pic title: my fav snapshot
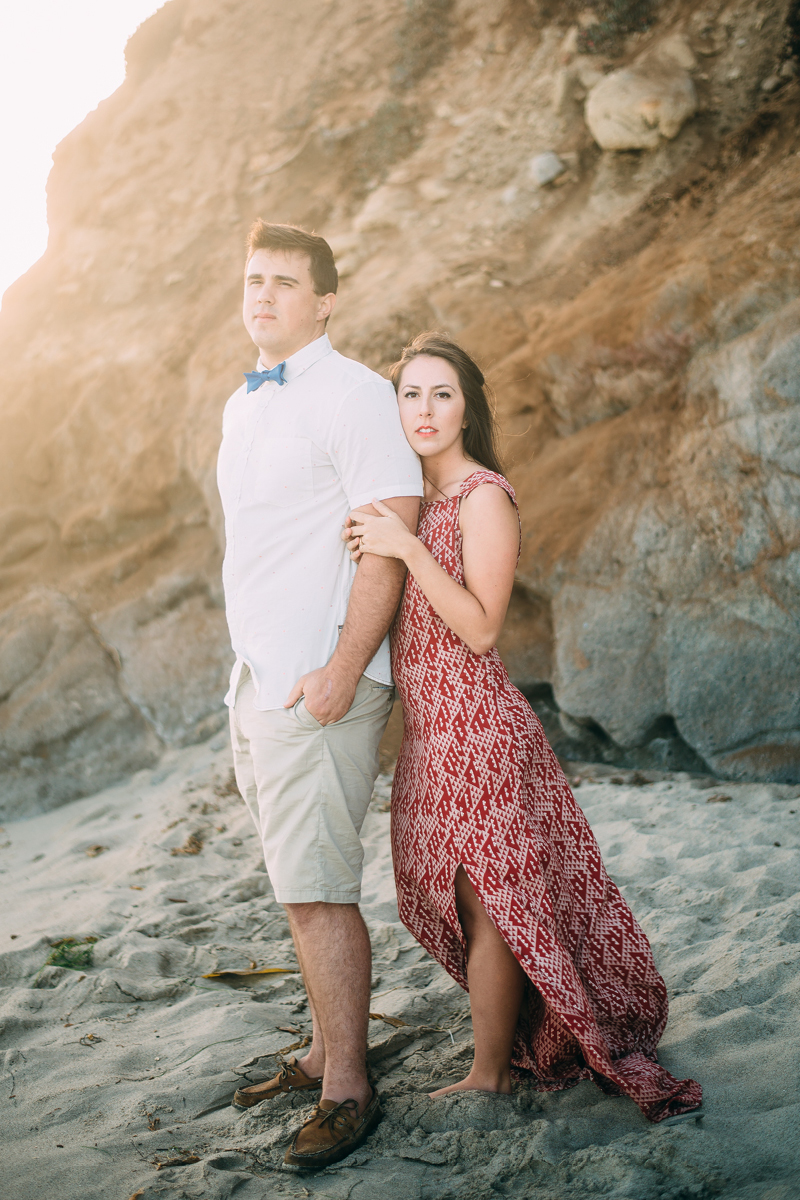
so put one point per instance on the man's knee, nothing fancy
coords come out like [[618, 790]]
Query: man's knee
[[302, 916], [299, 913], [316, 912]]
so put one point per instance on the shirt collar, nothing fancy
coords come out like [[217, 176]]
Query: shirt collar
[[304, 358]]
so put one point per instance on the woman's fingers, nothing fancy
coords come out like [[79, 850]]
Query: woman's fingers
[[353, 545], [352, 533]]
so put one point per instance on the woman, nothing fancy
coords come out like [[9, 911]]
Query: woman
[[498, 874]]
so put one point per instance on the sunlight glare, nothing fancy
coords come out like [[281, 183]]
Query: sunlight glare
[[58, 60]]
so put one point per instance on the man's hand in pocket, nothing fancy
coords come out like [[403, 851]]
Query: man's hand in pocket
[[328, 693]]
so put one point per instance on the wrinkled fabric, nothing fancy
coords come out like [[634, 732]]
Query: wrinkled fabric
[[477, 784]]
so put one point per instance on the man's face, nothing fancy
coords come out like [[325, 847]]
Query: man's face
[[282, 312]]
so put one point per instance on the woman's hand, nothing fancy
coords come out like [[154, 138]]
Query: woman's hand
[[386, 535], [353, 543]]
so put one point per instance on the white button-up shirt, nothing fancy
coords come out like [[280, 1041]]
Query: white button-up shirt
[[294, 460]]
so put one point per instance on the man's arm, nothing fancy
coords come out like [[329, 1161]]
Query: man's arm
[[374, 597]]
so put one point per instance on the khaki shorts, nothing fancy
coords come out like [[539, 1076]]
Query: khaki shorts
[[308, 788]]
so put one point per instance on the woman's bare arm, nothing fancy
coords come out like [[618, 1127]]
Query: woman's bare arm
[[490, 535]]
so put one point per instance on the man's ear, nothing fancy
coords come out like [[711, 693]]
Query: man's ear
[[326, 306]]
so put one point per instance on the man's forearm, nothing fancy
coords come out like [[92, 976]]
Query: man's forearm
[[374, 597]]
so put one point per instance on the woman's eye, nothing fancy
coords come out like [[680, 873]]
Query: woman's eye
[[442, 395]]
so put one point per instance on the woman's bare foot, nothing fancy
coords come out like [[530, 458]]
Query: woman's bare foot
[[500, 1086], [496, 990]]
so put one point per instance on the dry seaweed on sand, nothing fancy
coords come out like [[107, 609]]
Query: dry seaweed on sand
[[184, 1161], [192, 845], [246, 971], [395, 1021], [73, 953]]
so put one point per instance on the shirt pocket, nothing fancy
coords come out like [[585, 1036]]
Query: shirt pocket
[[280, 472]]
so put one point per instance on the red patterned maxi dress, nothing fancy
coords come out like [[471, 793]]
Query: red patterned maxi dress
[[478, 784]]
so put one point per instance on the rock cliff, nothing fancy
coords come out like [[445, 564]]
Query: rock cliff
[[600, 202]]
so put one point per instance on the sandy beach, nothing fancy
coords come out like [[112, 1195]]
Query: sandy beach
[[600, 202], [115, 1070]]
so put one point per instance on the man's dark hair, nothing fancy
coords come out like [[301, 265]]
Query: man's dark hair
[[290, 239]]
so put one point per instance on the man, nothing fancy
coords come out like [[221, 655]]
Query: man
[[312, 436]]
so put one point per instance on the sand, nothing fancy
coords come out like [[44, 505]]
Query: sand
[[131, 1062]]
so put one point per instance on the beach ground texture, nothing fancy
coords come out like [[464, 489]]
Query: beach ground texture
[[118, 1072]]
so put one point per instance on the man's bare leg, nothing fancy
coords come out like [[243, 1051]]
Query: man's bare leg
[[335, 957], [313, 1064], [496, 987]]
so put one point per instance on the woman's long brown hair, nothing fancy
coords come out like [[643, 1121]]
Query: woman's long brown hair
[[480, 435]]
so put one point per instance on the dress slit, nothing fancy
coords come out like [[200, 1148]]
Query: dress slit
[[478, 784]]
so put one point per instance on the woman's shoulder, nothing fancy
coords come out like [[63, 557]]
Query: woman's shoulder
[[480, 479], [488, 510]]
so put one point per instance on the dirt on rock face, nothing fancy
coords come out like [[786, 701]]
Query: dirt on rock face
[[637, 315]]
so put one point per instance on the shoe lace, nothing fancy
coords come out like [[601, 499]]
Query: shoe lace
[[337, 1113]]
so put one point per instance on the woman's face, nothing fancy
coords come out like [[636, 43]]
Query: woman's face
[[431, 404]]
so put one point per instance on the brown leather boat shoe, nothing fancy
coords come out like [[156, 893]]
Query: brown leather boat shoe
[[290, 1078], [332, 1132]]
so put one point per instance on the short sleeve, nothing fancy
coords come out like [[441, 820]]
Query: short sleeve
[[368, 447]]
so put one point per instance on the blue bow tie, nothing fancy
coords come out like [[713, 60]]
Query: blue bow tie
[[256, 378]]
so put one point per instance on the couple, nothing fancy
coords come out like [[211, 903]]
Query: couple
[[322, 466]]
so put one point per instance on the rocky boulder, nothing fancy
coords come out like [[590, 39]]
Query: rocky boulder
[[634, 108], [174, 657], [66, 728]]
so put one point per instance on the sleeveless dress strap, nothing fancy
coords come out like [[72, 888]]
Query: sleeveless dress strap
[[480, 477]]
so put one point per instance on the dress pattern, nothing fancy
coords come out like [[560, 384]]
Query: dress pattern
[[477, 784]]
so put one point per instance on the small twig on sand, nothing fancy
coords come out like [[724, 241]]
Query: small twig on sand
[[143, 1157]]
